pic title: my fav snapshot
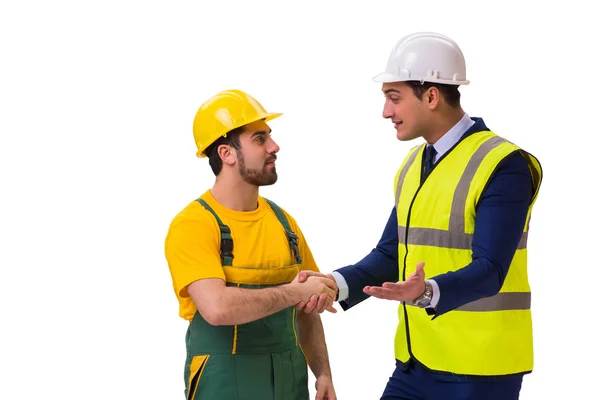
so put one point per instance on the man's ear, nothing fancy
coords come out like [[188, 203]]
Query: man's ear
[[432, 97], [227, 154]]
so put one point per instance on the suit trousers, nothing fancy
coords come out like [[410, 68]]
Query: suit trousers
[[415, 382]]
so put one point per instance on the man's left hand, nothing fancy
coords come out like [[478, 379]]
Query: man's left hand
[[324, 386], [405, 291]]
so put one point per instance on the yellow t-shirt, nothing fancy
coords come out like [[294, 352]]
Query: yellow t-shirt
[[192, 245]]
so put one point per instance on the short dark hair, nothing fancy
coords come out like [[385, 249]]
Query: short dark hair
[[232, 139], [450, 92]]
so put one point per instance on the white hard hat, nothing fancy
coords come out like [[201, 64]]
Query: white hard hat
[[425, 57]]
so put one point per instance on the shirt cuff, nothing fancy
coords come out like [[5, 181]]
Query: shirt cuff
[[435, 298], [342, 286]]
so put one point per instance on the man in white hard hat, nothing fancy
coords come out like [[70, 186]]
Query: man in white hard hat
[[454, 250]]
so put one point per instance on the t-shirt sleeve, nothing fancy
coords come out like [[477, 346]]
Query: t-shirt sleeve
[[192, 251]]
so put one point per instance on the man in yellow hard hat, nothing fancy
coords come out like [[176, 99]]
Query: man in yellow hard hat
[[233, 257], [454, 250]]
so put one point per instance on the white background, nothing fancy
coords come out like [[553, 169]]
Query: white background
[[96, 154]]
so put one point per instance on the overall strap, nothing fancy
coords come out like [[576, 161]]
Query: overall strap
[[226, 239], [291, 236]]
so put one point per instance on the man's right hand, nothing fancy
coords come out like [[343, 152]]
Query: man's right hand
[[317, 302]]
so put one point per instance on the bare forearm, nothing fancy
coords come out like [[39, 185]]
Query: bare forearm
[[229, 305], [312, 340], [239, 306]]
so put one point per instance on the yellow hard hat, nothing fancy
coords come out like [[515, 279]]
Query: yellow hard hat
[[224, 112]]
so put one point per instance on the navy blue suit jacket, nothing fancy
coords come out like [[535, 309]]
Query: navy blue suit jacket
[[499, 221]]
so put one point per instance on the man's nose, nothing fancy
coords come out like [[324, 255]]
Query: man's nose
[[388, 110], [273, 146]]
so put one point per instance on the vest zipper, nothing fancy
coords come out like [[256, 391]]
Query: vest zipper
[[410, 354]]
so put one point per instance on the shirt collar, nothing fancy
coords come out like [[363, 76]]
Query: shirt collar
[[452, 137]]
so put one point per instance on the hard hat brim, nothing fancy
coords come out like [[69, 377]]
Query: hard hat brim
[[271, 116], [386, 77], [266, 117]]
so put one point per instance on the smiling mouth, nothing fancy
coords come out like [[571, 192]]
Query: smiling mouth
[[397, 124]]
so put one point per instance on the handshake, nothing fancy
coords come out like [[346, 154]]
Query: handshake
[[314, 292]]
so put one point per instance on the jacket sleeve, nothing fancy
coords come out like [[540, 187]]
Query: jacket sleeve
[[499, 222], [379, 266]]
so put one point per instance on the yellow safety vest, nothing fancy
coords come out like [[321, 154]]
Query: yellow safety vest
[[436, 222]]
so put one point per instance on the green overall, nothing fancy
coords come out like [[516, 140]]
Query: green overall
[[259, 360]]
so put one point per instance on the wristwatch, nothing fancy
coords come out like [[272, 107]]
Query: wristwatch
[[424, 299]]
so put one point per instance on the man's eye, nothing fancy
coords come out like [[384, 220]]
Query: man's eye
[[260, 139]]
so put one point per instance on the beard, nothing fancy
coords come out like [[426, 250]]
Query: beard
[[256, 177]]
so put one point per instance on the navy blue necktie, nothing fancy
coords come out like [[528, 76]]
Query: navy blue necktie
[[429, 161]]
